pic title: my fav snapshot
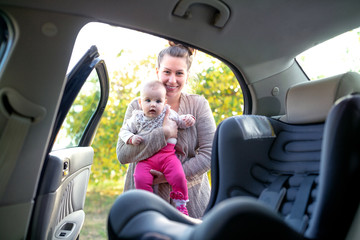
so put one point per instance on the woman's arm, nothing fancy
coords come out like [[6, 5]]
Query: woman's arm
[[152, 142], [133, 153], [205, 127]]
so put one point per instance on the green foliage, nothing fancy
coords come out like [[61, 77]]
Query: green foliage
[[220, 87], [80, 112]]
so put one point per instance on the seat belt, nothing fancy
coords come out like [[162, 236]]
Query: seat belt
[[275, 193], [11, 143], [297, 217], [20, 113]]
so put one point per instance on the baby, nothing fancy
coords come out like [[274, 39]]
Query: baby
[[142, 122]]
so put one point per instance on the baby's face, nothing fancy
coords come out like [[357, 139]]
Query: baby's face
[[153, 101]]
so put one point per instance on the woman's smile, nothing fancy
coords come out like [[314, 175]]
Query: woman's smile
[[171, 88]]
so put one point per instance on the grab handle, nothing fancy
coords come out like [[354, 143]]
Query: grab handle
[[182, 9]]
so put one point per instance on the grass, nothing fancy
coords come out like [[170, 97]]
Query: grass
[[99, 199]]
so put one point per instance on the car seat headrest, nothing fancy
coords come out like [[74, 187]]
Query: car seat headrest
[[311, 101]]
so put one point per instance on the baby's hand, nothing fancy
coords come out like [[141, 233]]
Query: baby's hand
[[136, 140], [189, 120]]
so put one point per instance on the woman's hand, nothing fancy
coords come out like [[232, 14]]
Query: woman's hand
[[170, 127], [158, 177]]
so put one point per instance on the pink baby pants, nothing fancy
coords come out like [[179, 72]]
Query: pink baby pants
[[164, 161]]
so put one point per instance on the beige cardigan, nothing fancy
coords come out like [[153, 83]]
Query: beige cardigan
[[193, 148]]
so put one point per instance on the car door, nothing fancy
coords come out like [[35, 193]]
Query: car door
[[59, 207]]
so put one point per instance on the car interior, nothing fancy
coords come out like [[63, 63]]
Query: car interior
[[288, 168], [294, 174]]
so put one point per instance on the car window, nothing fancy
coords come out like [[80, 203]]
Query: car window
[[130, 58], [335, 56], [79, 114], [6, 38]]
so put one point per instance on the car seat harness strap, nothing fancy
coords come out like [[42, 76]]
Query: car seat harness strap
[[274, 194], [297, 217]]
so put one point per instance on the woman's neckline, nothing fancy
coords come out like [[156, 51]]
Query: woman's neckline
[[177, 105]]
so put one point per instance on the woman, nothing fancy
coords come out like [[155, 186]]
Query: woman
[[194, 144]]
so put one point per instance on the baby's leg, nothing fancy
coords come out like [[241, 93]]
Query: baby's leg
[[142, 176], [174, 174]]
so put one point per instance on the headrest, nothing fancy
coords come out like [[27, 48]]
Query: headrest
[[311, 101]]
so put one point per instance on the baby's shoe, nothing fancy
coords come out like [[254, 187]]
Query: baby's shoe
[[183, 209], [180, 201]]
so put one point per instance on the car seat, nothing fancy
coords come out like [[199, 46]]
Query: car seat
[[277, 160], [270, 176]]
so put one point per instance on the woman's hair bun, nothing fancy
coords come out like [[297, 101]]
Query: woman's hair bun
[[190, 49]]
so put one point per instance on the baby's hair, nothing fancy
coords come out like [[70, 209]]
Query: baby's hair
[[152, 84], [177, 50]]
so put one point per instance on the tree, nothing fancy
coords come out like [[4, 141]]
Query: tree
[[220, 87]]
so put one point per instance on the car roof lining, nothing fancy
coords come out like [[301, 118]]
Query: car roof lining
[[287, 33]]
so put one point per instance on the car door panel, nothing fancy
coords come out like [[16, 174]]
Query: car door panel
[[59, 205], [66, 176]]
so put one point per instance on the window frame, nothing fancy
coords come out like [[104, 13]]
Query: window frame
[[75, 80]]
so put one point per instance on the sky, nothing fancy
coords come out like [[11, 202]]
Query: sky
[[111, 40], [335, 56]]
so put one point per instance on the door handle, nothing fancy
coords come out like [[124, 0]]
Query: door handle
[[66, 167], [182, 8]]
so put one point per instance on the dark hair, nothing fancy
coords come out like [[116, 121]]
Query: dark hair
[[177, 50]]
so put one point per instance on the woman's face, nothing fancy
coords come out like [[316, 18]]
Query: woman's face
[[173, 74]]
